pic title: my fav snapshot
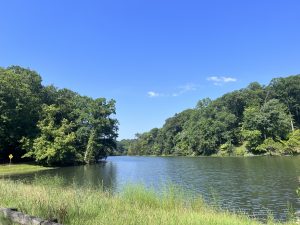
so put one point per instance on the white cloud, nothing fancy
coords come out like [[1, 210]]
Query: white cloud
[[221, 80], [229, 79], [153, 94]]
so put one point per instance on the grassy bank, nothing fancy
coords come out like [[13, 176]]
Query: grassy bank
[[134, 205], [20, 168]]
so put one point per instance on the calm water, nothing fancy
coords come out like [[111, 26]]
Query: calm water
[[257, 185]]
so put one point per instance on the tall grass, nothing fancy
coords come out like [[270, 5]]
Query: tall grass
[[134, 205]]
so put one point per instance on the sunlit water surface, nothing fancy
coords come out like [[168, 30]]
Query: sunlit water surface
[[257, 186]]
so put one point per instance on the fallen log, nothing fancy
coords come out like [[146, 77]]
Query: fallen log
[[24, 219]]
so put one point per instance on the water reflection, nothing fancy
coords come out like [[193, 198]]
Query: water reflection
[[97, 176], [257, 186]]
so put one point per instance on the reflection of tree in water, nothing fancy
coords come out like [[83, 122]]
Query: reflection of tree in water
[[255, 185], [101, 175]]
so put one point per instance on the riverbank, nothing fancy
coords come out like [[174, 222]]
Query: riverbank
[[134, 205], [213, 156], [12, 169]]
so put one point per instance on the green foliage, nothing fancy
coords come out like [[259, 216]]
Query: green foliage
[[91, 153], [58, 126], [271, 119], [56, 143], [257, 118], [52, 126], [253, 138], [287, 90], [271, 147], [292, 145], [263, 126], [226, 149], [20, 103], [240, 150]]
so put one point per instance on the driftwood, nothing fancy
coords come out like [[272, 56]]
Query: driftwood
[[23, 219]]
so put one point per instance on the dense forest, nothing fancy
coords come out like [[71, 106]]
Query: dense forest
[[60, 127], [52, 126], [251, 121]]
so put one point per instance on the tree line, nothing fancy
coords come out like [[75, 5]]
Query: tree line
[[255, 120], [52, 126]]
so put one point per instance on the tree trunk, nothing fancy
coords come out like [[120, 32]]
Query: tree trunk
[[292, 123]]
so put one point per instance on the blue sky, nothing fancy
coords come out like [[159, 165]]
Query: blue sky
[[154, 57]]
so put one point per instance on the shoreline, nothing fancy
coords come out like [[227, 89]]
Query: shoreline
[[133, 205], [210, 156], [21, 168]]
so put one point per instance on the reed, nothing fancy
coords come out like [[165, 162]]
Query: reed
[[134, 205]]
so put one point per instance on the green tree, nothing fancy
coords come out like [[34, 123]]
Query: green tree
[[123, 147], [292, 145], [20, 104], [269, 121], [208, 128], [271, 147], [60, 120], [287, 91], [92, 149], [253, 139], [56, 143], [272, 120], [258, 117]]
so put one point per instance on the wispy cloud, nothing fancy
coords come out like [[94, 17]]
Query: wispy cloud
[[153, 94], [221, 80], [180, 91], [184, 89]]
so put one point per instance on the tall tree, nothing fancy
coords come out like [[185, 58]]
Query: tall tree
[[56, 143], [20, 106], [258, 116], [54, 126], [287, 91], [269, 121]]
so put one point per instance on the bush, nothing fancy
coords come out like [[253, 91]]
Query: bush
[[292, 145], [253, 138], [271, 147], [240, 150]]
